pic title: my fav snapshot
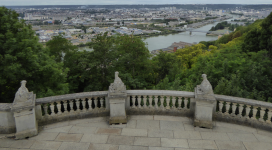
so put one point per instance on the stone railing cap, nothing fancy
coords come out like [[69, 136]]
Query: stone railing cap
[[70, 96], [162, 93], [5, 106]]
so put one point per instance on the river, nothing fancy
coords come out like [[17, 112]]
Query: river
[[164, 41]]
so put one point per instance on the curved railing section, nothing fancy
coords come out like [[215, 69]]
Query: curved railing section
[[71, 106], [244, 111]]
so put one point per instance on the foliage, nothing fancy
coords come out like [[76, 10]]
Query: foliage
[[23, 58], [223, 25]]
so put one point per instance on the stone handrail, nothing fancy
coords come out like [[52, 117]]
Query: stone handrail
[[162, 93], [5, 106], [71, 96], [243, 101]]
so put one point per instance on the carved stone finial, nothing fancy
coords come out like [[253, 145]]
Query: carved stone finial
[[117, 86], [205, 86]]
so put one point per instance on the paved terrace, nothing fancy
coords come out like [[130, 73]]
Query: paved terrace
[[141, 133]]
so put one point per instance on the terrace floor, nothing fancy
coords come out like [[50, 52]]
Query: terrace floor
[[141, 133]]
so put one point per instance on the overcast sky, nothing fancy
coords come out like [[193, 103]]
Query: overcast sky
[[109, 2]]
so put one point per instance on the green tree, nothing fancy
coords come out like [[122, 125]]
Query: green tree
[[23, 58]]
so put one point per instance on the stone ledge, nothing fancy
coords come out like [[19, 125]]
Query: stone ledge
[[5, 106]]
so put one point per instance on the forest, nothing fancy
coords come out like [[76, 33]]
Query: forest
[[237, 64], [223, 25]]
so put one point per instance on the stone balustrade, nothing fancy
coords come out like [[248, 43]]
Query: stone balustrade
[[71, 106], [202, 105]]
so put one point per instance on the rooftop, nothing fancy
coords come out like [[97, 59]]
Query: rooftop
[[146, 132]]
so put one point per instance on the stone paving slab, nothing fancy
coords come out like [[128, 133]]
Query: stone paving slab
[[64, 129], [128, 147], [236, 127], [111, 131], [74, 146], [71, 137], [94, 138], [202, 144], [103, 147], [45, 136], [242, 137], [6, 142], [187, 135], [145, 141], [56, 125], [160, 148], [120, 140], [171, 125], [46, 145], [140, 117], [214, 136], [103, 124], [22, 144], [263, 138], [167, 142], [148, 124], [257, 146], [78, 129], [131, 123], [230, 145], [134, 132], [171, 118], [160, 133], [188, 127]]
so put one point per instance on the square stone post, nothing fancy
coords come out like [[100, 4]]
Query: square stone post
[[23, 108], [205, 104], [117, 98]]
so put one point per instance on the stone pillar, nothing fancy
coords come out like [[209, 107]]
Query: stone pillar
[[23, 108], [117, 98], [205, 104]]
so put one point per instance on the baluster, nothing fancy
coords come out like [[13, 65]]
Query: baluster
[[102, 102], [185, 103], [77, 104], [150, 101], [133, 101], [162, 101], [45, 107], [269, 115], [255, 110], [221, 104], [167, 102], [95, 103], [241, 108], [234, 106], [156, 101], [52, 106], [247, 110], [83, 102], [174, 102], [90, 103], [144, 101], [227, 107], [59, 108], [262, 112], [65, 105], [139, 98], [179, 102]]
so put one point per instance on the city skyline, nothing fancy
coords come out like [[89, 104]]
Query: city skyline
[[109, 2]]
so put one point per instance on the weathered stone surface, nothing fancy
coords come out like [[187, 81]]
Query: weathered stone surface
[[134, 132], [112, 131], [22, 144], [46, 145], [69, 137], [120, 140], [45, 136], [128, 147], [214, 136], [242, 137], [95, 124], [64, 129], [230, 145], [103, 147], [257, 146], [167, 142], [140, 117], [148, 124], [172, 118], [202, 144], [145, 141], [160, 148], [78, 129], [160, 133], [94, 138], [171, 125], [187, 135], [73, 146], [264, 137], [131, 123], [6, 143]]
